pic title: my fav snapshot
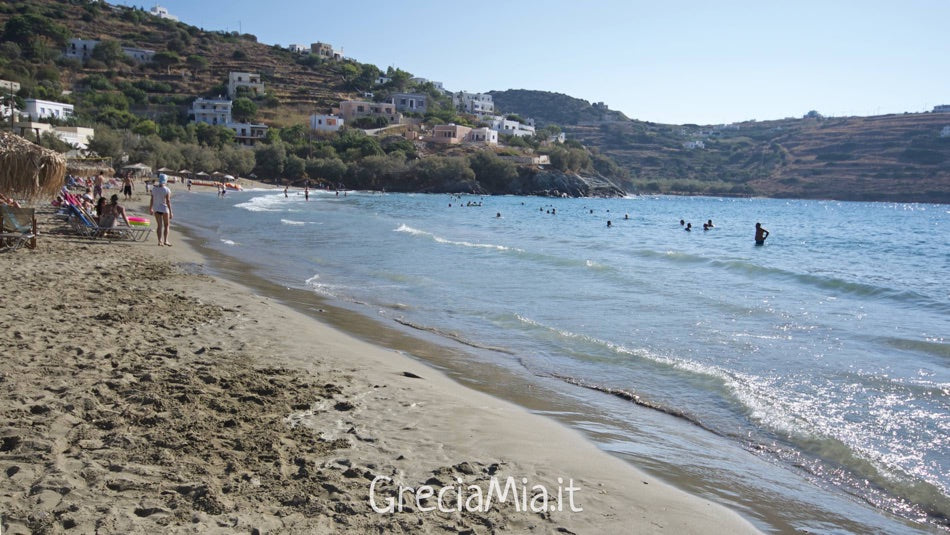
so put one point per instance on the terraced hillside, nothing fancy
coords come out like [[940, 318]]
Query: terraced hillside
[[293, 90], [891, 157]]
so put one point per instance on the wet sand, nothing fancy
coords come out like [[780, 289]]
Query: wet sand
[[142, 395]]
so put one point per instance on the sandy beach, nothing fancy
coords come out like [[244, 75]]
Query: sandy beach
[[141, 396]]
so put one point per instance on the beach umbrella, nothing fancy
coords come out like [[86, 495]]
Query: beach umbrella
[[184, 172], [27, 170], [228, 177], [201, 173], [164, 170], [217, 173]]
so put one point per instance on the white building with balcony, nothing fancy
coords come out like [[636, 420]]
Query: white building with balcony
[[509, 127], [248, 133], [45, 109], [477, 103], [298, 49], [213, 111]]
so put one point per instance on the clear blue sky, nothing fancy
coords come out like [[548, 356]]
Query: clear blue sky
[[675, 61]]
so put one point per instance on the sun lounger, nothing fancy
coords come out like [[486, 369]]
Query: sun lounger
[[85, 225], [17, 227]]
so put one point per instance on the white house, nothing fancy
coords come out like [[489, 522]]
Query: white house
[[211, 111], [80, 49], [943, 108], [483, 135], [945, 132], [7, 88], [163, 13], [44, 109], [140, 55], [383, 80], [298, 49], [247, 133], [690, 145], [420, 81], [76, 136], [513, 128], [477, 103], [325, 123], [250, 80]]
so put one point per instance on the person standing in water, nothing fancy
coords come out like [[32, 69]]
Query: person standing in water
[[760, 234]]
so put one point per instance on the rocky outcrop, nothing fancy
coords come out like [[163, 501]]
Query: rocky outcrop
[[553, 183]]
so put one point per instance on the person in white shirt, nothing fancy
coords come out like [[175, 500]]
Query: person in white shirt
[[161, 206]]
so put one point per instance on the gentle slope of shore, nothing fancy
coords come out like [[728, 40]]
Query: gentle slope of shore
[[142, 396]]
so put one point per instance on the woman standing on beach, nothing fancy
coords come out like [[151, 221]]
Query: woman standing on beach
[[161, 206]]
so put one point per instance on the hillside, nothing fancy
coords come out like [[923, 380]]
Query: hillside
[[894, 157], [294, 90], [891, 157]]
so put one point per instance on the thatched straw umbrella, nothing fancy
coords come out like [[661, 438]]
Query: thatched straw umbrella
[[88, 167], [29, 171]]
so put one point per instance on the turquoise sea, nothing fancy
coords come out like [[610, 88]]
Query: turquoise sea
[[805, 383]]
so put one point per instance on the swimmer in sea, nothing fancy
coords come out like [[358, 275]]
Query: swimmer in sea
[[760, 234]]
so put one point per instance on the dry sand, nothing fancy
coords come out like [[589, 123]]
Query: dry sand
[[139, 397]]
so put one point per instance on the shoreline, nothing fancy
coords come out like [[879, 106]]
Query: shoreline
[[196, 404]]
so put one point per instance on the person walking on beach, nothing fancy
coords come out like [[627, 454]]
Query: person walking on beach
[[285, 192], [306, 193], [161, 206], [127, 186], [760, 234], [97, 189]]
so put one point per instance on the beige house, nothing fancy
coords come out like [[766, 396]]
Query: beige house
[[250, 80], [354, 109], [326, 51], [449, 134]]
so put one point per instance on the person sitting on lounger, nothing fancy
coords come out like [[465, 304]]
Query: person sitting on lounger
[[111, 214], [8, 201]]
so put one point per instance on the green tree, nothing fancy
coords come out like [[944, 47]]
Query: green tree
[[243, 110], [295, 167], [399, 79], [196, 63], [331, 170], [270, 160], [106, 142], [146, 128], [166, 60], [35, 34], [214, 135], [237, 160], [109, 52], [493, 172]]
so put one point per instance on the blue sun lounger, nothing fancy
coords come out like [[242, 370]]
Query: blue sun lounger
[[17, 227]]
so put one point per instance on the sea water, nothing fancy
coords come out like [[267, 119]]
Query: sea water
[[804, 383]]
